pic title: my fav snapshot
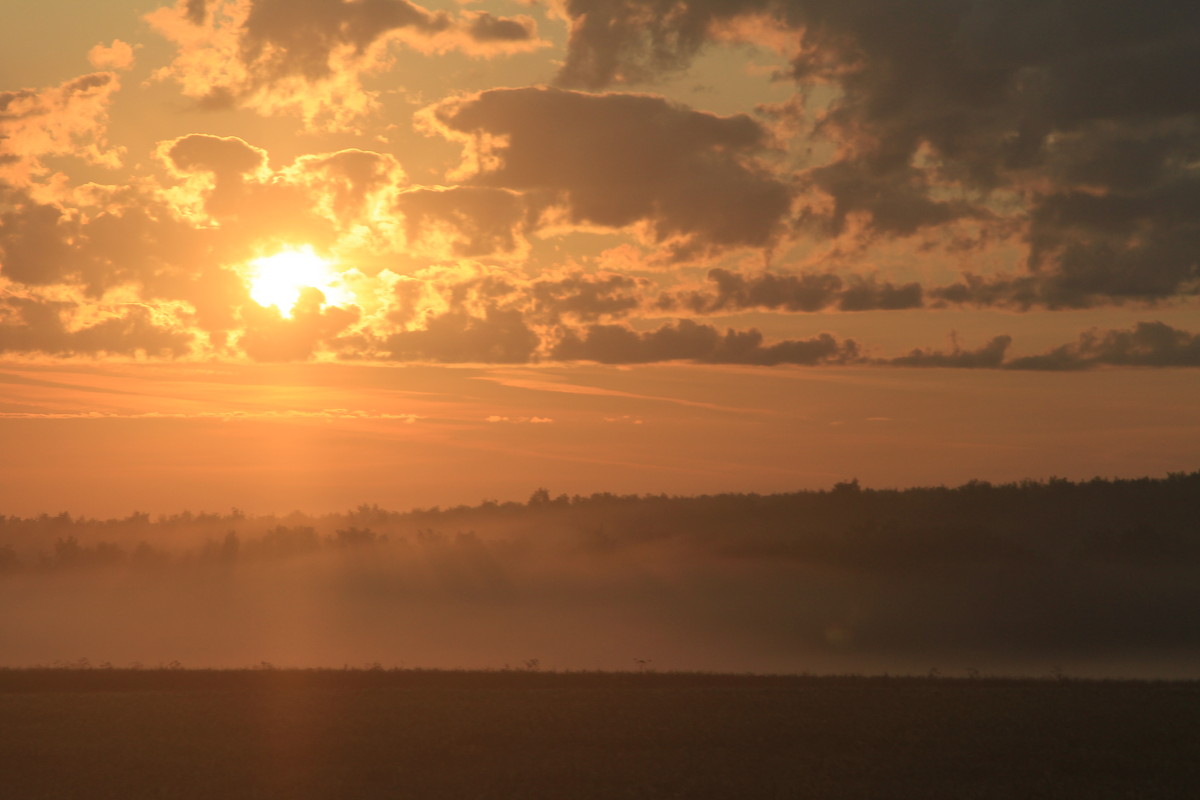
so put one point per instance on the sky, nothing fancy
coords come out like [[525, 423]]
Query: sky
[[306, 254]]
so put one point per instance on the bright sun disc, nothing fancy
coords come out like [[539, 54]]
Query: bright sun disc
[[278, 280]]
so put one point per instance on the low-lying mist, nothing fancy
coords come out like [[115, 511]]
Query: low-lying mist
[[1096, 578]]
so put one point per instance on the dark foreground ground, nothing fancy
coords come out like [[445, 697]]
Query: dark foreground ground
[[427, 734]]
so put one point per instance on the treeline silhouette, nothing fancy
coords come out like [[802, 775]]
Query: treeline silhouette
[[1099, 577], [1143, 520]]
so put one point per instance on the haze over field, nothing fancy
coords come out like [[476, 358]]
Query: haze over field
[[1098, 578]]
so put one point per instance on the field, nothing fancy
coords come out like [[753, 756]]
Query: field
[[270, 733]]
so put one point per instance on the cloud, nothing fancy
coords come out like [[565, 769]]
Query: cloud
[[484, 31], [804, 292], [66, 120], [310, 58], [183, 249], [999, 75], [495, 337], [990, 356], [1142, 245], [227, 163], [30, 325], [227, 157], [868, 294], [352, 186], [34, 239], [1089, 275], [1148, 344], [896, 201], [118, 55], [1068, 119], [196, 11], [686, 340], [268, 336], [466, 221], [615, 160], [568, 295], [496, 317], [585, 297], [231, 180], [1020, 292], [119, 245]]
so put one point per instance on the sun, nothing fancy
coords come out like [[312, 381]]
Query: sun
[[277, 280]]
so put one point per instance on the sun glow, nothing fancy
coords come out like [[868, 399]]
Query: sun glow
[[277, 280]]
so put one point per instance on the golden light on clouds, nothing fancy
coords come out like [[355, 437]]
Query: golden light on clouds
[[279, 279]]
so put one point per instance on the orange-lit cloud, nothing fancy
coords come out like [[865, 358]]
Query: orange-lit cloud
[[352, 187], [66, 120], [118, 55], [276, 56], [62, 329]]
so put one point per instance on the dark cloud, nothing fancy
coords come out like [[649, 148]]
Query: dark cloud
[[271, 337], [624, 41], [815, 291], [1022, 292], [34, 237], [1148, 344], [734, 291], [495, 337], [953, 73], [868, 294], [483, 27], [585, 297], [686, 340], [39, 326], [896, 200], [496, 317], [990, 356], [493, 318], [618, 159], [794, 292], [224, 156], [474, 221], [1079, 107], [196, 11], [514, 330], [286, 37], [1125, 246]]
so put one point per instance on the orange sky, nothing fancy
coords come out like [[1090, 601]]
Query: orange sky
[[276, 254]]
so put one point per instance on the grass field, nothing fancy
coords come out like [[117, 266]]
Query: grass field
[[526, 734]]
